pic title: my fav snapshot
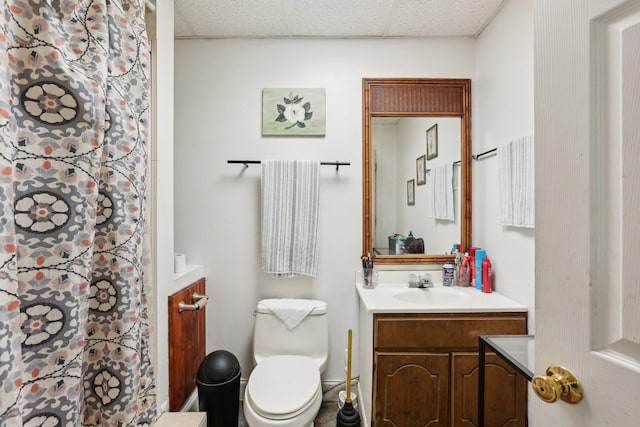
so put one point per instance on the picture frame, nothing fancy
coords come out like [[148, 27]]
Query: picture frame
[[293, 111], [421, 170], [432, 142], [411, 191]]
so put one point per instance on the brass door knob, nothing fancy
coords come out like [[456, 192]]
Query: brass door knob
[[559, 383]]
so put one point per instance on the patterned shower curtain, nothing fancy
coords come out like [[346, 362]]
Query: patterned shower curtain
[[74, 108]]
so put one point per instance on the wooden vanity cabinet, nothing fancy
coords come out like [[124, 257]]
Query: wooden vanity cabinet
[[426, 371]]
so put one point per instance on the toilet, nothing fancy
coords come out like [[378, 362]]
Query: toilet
[[284, 389]]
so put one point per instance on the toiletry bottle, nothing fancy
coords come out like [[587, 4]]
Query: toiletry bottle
[[486, 275], [463, 279], [447, 274], [480, 256], [456, 274], [472, 265]]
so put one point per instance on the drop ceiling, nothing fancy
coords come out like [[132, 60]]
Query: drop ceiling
[[332, 18]]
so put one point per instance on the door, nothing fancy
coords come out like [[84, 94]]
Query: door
[[587, 108]]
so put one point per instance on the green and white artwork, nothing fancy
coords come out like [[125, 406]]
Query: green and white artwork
[[293, 112]]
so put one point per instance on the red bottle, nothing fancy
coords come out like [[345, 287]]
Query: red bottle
[[486, 276]]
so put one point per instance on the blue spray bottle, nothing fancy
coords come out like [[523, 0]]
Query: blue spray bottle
[[480, 255]]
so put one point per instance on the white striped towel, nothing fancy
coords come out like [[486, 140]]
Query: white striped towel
[[290, 202], [440, 193], [516, 182]]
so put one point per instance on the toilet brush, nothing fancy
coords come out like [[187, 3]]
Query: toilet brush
[[348, 416]]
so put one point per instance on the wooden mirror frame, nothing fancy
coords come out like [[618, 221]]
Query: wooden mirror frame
[[401, 97]]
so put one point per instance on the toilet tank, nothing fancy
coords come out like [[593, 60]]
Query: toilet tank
[[310, 337]]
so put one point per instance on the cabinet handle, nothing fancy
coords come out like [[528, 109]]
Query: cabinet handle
[[559, 383], [199, 301]]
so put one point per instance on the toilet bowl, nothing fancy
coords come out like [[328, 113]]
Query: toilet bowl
[[284, 388], [283, 391]]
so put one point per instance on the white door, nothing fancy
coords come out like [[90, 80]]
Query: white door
[[587, 126]]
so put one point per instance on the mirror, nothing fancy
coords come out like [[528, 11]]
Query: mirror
[[400, 156], [398, 121]]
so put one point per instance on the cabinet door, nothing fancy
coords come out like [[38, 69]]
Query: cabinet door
[[411, 389], [505, 392]]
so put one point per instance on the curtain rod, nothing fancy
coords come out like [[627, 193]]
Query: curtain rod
[[246, 163]]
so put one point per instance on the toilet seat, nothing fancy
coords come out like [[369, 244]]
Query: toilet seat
[[282, 387]]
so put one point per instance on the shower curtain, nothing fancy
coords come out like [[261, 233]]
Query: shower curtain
[[74, 108]]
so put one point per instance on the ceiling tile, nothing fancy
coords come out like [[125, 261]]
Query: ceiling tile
[[235, 18], [412, 18], [180, 24], [355, 18], [332, 18]]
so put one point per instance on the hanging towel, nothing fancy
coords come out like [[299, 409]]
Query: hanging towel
[[440, 193], [516, 182], [290, 200], [291, 311]]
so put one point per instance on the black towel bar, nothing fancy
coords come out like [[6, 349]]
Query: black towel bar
[[246, 163]]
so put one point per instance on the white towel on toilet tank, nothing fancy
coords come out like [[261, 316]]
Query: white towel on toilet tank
[[290, 204], [516, 182], [291, 311]]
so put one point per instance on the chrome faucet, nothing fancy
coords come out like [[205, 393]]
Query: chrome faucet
[[422, 281]]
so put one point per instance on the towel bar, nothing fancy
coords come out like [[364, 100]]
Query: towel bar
[[246, 163]]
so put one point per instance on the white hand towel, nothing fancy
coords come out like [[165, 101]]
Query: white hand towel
[[440, 193], [291, 311], [516, 181], [290, 204]]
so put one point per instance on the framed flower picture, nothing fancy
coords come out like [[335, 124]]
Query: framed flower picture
[[293, 111], [432, 142], [411, 191], [421, 171]]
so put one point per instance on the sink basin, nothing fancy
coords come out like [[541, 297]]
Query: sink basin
[[431, 296]]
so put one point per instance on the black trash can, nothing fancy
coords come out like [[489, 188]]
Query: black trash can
[[218, 381]]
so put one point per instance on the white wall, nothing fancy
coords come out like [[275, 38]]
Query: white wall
[[502, 111], [217, 211]]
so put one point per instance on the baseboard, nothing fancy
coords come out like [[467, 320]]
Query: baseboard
[[330, 390], [191, 404], [364, 421]]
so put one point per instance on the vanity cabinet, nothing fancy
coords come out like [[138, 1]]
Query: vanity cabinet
[[425, 370]]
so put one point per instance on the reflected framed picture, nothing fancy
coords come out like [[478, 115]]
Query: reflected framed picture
[[421, 171], [432, 142], [411, 190]]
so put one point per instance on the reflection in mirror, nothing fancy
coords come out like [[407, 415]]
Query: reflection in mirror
[[399, 146]]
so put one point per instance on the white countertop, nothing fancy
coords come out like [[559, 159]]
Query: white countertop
[[393, 295]]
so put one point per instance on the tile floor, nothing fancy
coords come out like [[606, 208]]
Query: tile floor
[[326, 417]]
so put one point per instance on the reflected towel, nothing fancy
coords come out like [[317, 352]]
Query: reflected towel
[[291, 311], [290, 202], [516, 182], [440, 194]]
